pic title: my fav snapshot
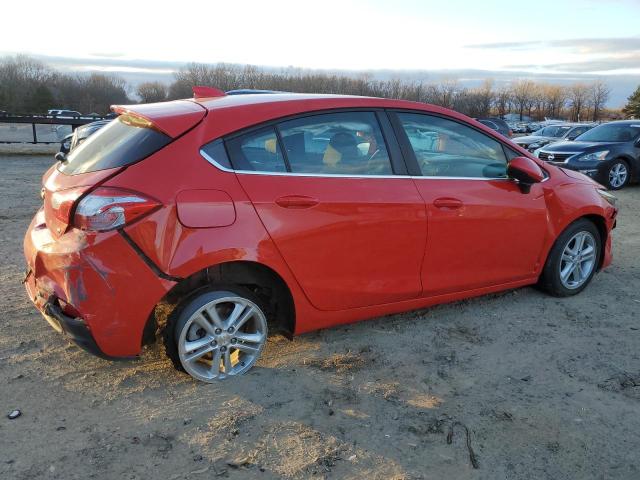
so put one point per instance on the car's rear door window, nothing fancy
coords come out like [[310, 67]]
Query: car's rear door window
[[123, 141], [257, 151], [446, 148], [345, 143]]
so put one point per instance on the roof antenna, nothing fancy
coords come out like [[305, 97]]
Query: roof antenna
[[207, 92]]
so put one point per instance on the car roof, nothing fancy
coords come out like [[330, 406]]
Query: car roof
[[622, 122], [311, 99], [227, 114]]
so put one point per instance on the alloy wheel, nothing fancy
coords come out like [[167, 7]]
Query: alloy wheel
[[618, 175], [578, 260], [224, 338]]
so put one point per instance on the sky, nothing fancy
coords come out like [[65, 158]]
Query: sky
[[566, 39]]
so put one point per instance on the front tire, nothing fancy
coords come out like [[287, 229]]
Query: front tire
[[573, 260], [618, 175], [216, 333]]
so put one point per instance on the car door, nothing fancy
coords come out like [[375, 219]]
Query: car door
[[327, 189], [483, 230]]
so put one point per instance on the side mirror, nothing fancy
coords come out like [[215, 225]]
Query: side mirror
[[525, 171], [60, 157]]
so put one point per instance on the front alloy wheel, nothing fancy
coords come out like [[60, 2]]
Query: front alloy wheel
[[618, 175], [219, 334], [578, 260], [573, 259]]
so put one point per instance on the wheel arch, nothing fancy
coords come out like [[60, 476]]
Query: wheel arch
[[598, 220], [261, 279], [601, 224], [633, 164]]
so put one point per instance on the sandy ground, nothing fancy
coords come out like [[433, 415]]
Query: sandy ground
[[548, 388]]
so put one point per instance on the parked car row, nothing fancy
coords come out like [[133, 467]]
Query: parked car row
[[608, 153], [552, 133]]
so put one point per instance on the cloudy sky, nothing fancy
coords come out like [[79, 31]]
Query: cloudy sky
[[563, 39]]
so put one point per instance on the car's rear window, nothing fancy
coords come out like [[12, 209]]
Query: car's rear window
[[122, 142]]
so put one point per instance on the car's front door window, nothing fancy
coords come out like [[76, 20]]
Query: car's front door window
[[445, 148]]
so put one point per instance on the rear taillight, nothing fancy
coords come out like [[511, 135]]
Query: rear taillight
[[108, 208]]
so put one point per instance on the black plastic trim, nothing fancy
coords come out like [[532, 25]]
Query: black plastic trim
[[405, 146], [146, 259], [75, 328], [398, 163]]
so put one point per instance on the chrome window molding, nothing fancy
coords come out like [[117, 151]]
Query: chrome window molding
[[340, 175]]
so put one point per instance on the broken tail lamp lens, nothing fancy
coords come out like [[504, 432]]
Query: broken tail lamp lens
[[110, 208]]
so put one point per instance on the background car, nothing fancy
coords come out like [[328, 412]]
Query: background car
[[552, 133], [608, 153], [64, 113], [498, 125], [291, 213], [80, 134]]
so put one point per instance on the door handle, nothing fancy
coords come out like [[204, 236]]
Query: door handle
[[445, 202], [297, 201]]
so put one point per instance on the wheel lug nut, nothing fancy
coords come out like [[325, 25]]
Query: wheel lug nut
[[230, 329], [223, 349], [218, 331], [214, 343]]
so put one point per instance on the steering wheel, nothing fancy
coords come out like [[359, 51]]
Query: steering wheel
[[376, 167]]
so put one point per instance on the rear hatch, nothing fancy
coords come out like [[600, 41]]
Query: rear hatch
[[139, 131]]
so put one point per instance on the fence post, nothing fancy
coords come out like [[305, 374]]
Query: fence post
[[35, 136]]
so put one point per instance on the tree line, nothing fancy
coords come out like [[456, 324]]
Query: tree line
[[578, 101], [30, 86]]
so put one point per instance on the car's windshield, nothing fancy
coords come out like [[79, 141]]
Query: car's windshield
[[612, 132], [553, 131]]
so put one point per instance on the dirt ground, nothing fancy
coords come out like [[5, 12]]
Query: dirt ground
[[547, 388]]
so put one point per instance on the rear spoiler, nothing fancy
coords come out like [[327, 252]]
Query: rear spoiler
[[207, 92], [172, 118]]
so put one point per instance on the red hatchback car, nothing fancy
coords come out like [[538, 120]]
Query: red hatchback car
[[296, 212]]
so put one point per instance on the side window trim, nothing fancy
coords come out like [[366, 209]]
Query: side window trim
[[285, 154], [410, 156], [398, 162], [405, 146]]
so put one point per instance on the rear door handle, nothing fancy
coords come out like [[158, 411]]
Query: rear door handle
[[297, 201], [446, 202]]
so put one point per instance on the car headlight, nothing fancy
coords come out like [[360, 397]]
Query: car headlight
[[612, 199], [595, 156], [537, 152]]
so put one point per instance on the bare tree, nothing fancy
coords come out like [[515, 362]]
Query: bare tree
[[555, 98], [522, 92], [578, 96], [598, 95], [150, 92], [502, 100]]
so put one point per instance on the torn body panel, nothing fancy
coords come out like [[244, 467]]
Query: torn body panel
[[123, 289]]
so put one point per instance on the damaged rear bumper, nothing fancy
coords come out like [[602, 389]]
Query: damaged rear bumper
[[92, 286]]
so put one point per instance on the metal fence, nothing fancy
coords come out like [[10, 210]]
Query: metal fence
[[40, 128]]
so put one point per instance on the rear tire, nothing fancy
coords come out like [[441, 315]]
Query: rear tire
[[573, 260], [217, 332]]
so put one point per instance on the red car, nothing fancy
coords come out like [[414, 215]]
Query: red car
[[298, 212]]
